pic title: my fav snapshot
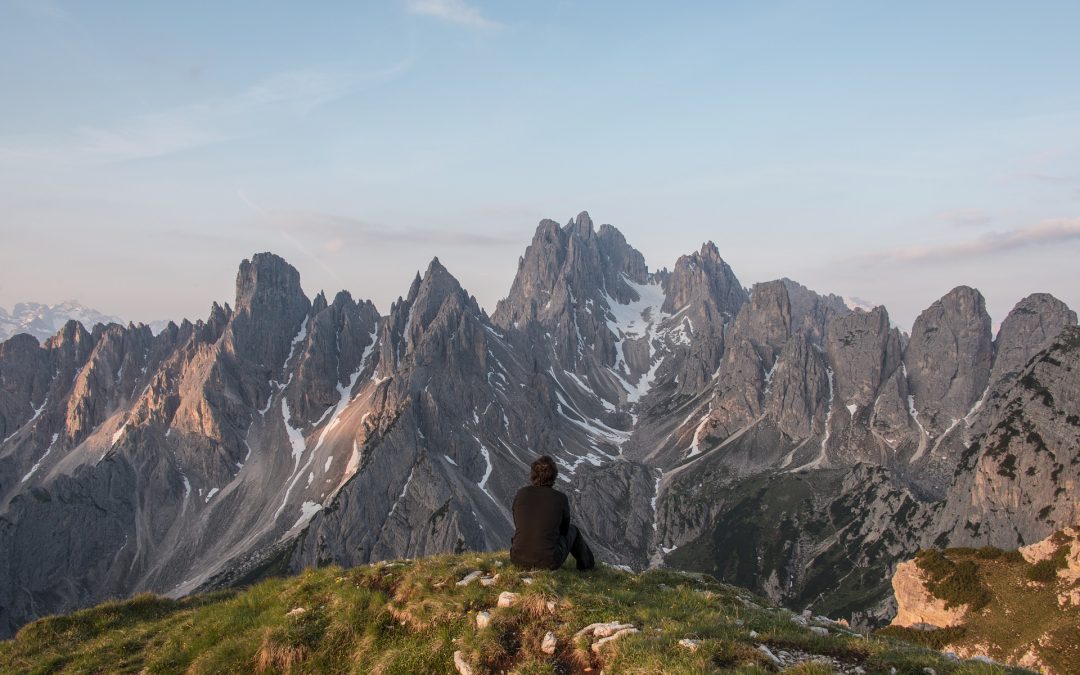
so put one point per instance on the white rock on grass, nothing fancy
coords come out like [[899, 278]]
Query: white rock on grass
[[611, 638], [527, 581], [768, 653], [470, 577], [692, 645], [296, 611], [483, 620], [549, 643], [489, 581], [507, 599], [461, 664], [603, 629], [818, 630]]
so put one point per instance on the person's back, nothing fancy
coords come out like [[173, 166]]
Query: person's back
[[543, 534], [542, 517]]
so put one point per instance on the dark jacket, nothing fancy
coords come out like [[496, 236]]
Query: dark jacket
[[541, 524]]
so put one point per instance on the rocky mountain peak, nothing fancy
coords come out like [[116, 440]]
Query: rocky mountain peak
[[766, 319], [581, 226], [704, 278], [270, 309], [71, 336], [319, 303], [564, 266], [264, 279], [411, 317], [437, 284], [864, 351], [948, 357], [1028, 329]]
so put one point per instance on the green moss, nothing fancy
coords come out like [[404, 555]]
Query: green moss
[[957, 583], [1043, 571]]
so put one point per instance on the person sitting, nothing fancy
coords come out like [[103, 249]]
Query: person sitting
[[543, 534]]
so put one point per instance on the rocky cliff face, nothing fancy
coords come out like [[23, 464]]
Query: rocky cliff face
[[1019, 481], [773, 437]]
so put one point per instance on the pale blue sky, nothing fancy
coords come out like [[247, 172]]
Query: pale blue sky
[[888, 151]]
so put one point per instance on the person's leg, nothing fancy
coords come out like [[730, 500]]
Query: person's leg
[[583, 555]]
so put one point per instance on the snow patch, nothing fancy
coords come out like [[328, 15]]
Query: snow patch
[[307, 512], [821, 458], [915, 414], [34, 468], [695, 448], [487, 471], [769, 375], [404, 489], [210, 495], [632, 321]]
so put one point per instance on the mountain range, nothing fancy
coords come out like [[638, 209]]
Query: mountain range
[[43, 321], [772, 436]]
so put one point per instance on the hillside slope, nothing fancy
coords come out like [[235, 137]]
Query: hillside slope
[[1020, 607], [418, 616]]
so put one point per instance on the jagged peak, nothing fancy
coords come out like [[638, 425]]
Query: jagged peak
[[414, 288], [709, 251], [71, 332], [963, 290], [1042, 300], [963, 299], [319, 303], [342, 299], [581, 226], [263, 277]]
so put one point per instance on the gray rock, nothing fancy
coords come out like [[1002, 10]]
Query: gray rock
[[1029, 328], [948, 358]]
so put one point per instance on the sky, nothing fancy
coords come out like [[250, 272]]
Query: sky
[[884, 151]]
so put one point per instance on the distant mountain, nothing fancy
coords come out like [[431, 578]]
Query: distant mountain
[[774, 437], [43, 321]]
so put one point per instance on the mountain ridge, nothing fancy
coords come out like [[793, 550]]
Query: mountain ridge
[[284, 432]]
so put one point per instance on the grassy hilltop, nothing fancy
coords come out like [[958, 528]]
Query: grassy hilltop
[[413, 616]]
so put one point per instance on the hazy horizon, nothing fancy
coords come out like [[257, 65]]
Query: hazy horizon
[[888, 153]]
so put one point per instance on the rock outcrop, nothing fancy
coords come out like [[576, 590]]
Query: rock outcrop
[[915, 606]]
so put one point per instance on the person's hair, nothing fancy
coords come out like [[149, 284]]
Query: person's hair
[[544, 472]]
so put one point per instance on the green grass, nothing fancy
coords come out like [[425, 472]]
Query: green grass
[[410, 617], [957, 582]]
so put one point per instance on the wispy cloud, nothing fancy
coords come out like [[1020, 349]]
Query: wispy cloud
[[454, 11], [249, 112], [1045, 233]]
